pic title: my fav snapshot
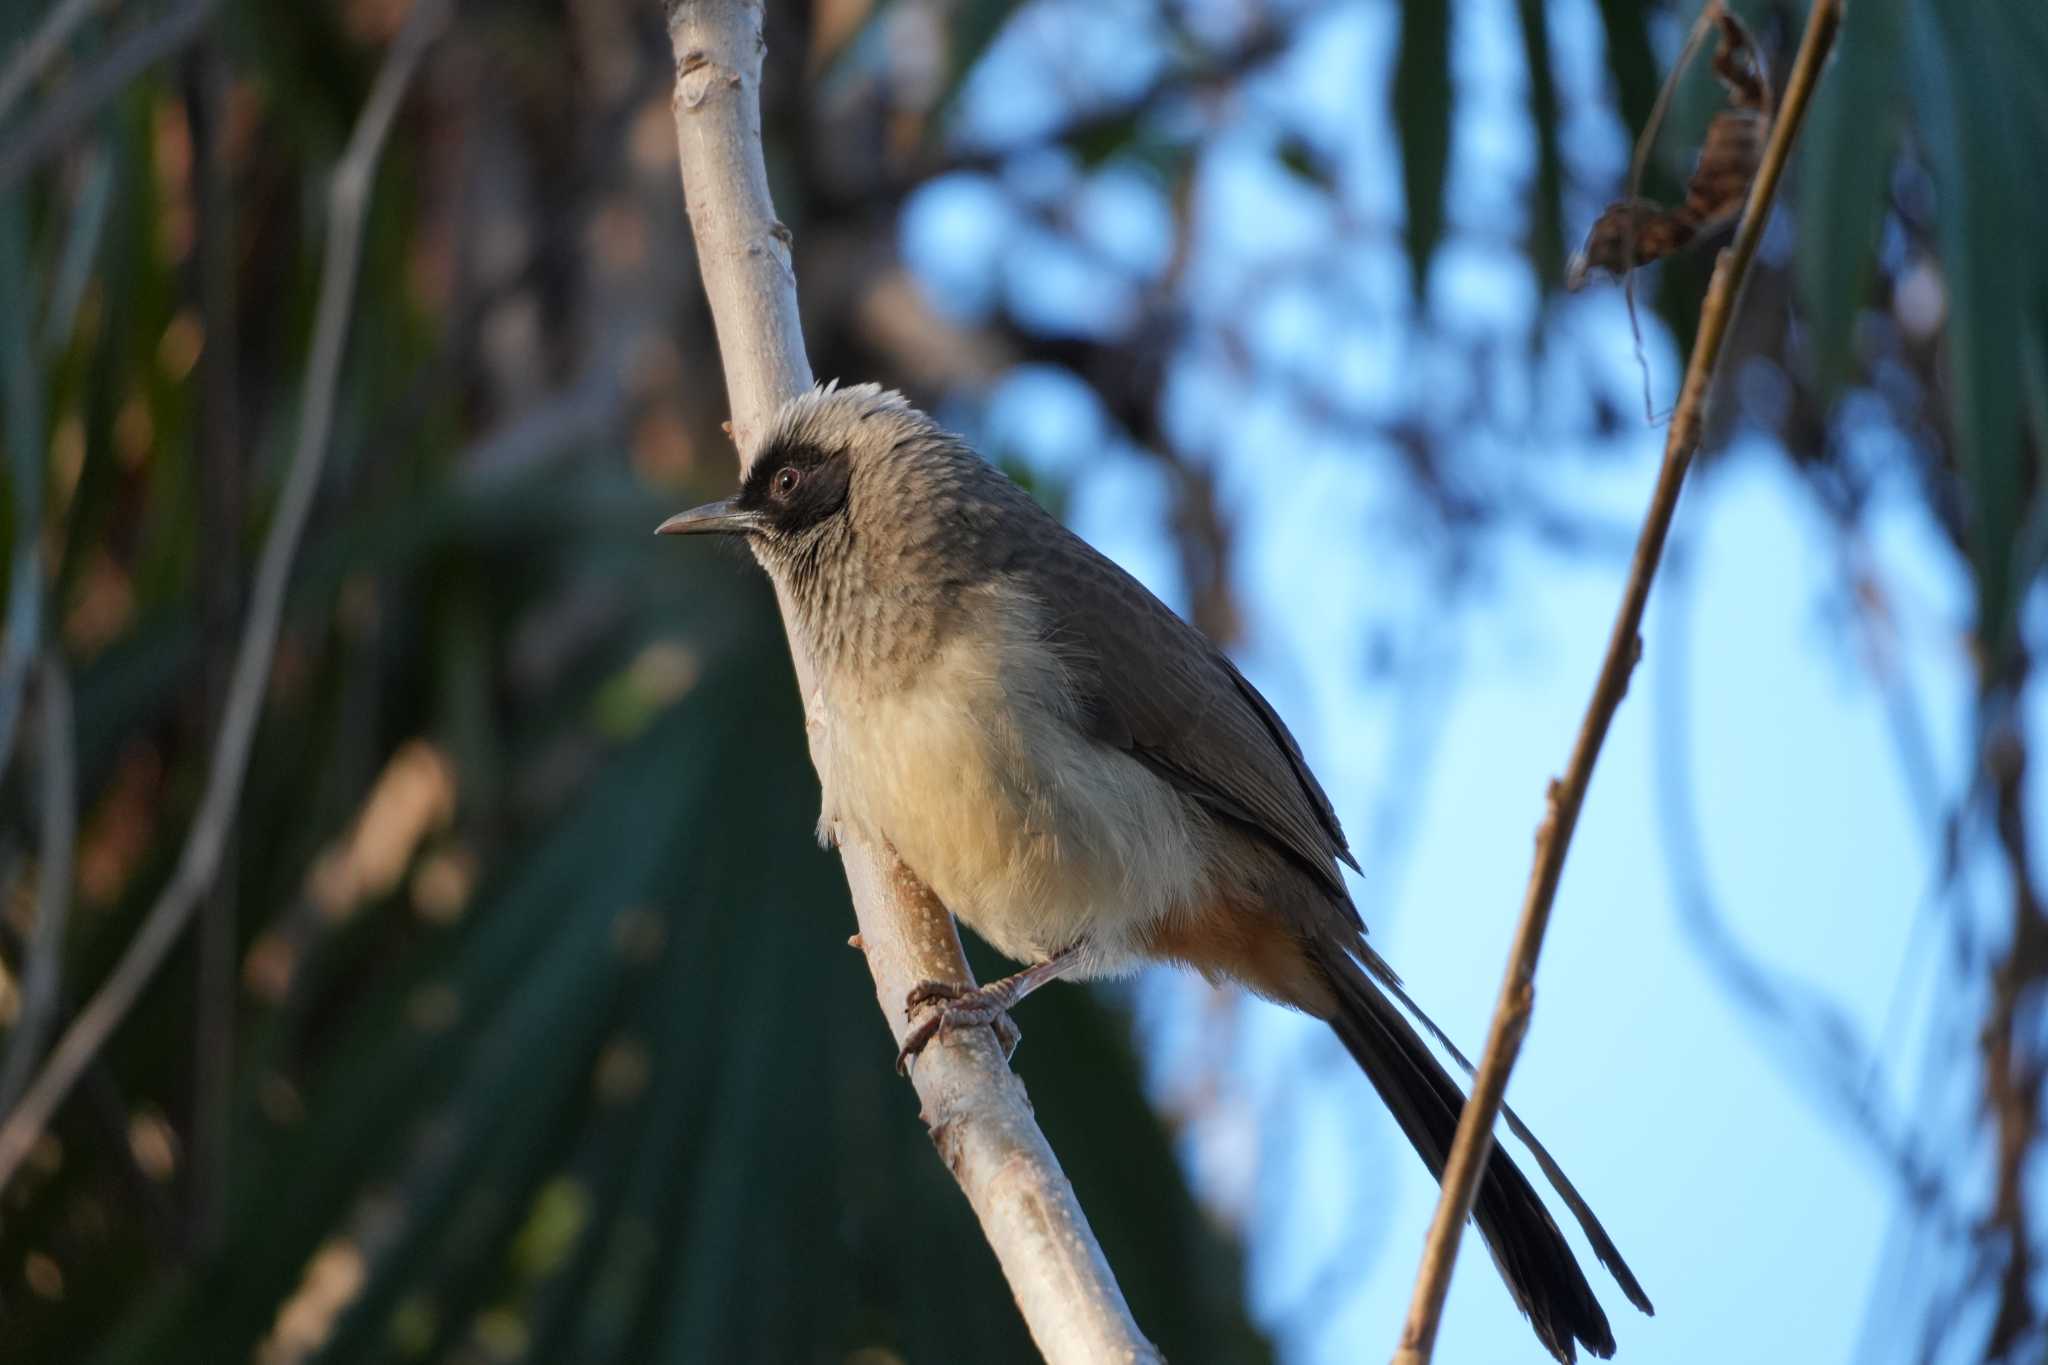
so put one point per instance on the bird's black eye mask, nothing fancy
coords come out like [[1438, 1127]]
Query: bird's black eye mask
[[794, 487]]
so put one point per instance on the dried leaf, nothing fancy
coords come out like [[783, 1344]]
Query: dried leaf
[[1636, 231]]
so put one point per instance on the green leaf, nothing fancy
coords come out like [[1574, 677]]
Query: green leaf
[[2033, 544], [2026, 40], [1422, 110], [1845, 164], [762, 1190], [1963, 84], [1099, 140], [1546, 234], [976, 24], [1630, 62]]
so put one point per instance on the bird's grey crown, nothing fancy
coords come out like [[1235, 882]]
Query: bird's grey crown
[[829, 418]]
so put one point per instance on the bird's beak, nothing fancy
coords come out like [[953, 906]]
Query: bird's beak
[[712, 519]]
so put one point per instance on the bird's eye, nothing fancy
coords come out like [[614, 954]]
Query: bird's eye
[[786, 480]]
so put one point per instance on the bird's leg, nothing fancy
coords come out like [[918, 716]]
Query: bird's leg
[[946, 1005]]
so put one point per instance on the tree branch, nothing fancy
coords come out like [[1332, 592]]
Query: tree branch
[[973, 1105], [199, 863], [1474, 1139]]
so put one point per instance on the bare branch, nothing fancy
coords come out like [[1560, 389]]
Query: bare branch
[[348, 199], [1474, 1140], [974, 1107]]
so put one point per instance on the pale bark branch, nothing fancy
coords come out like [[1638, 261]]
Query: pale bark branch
[[199, 863], [1474, 1140], [973, 1105]]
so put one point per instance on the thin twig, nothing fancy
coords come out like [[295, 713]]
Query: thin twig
[[42, 977], [83, 96], [973, 1105], [108, 1110], [347, 199], [1474, 1139]]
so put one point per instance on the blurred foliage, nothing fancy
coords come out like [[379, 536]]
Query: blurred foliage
[[546, 1046], [547, 1042], [633, 1103]]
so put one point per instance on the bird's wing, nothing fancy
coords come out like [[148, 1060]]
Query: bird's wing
[[1154, 686]]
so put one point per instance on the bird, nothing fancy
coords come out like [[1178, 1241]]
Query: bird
[[1084, 779]]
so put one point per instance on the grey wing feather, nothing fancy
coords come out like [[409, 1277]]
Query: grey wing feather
[[1153, 685]]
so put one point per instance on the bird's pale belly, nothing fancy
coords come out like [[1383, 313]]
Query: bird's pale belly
[[1034, 835]]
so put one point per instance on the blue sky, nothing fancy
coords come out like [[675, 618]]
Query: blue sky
[[1746, 1207]]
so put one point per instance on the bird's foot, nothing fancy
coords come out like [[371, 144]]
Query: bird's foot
[[946, 1005], [940, 1007]]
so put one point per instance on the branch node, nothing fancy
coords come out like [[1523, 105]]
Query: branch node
[[945, 1136], [697, 77]]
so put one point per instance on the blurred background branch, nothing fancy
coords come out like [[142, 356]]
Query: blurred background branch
[[199, 864]]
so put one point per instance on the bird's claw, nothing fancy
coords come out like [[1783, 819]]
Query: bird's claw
[[939, 1007]]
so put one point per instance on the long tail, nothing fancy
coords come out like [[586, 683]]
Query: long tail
[[1532, 1254]]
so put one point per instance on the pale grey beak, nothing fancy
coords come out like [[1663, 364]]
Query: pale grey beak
[[712, 519]]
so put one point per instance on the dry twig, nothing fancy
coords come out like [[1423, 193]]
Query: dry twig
[[199, 863], [1636, 231], [1624, 647], [973, 1105]]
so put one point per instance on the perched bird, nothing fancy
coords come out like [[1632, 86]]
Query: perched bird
[[1082, 777]]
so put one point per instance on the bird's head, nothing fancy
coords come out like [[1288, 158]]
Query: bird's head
[[825, 454], [874, 521]]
